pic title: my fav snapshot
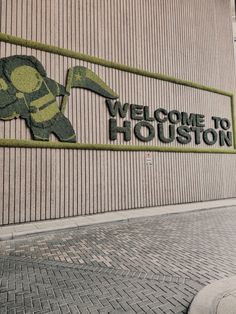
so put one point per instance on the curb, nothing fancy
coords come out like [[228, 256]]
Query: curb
[[208, 300], [10, 232]]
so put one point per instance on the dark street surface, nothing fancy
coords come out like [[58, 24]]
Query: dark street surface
[[152, 265]]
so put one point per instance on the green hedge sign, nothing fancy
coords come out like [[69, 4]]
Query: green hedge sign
[[27, 92]]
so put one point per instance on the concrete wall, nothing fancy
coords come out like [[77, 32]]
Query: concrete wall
[[233, 10], [187, 39]]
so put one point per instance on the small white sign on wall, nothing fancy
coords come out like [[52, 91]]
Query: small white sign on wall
[[148, 158]]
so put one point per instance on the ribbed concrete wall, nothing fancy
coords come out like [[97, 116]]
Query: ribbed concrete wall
[[188, 39]]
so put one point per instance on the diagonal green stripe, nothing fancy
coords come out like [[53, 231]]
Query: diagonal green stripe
[[110, 64]]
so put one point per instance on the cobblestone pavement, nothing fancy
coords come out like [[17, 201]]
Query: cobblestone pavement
[[152, 265]]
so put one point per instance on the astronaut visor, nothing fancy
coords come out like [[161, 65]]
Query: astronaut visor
[[26, 79]]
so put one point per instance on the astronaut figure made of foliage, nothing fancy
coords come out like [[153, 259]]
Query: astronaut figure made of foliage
[[27, 92]]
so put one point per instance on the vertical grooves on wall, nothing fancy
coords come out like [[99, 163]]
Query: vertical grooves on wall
[[187, 39]]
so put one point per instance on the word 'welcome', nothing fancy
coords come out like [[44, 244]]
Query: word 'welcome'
[[170, 125]]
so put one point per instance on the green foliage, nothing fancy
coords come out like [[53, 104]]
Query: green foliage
[[26, 92], [85, 78], [114, 65], [65, 145]]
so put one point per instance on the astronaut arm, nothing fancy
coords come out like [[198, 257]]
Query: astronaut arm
[[56, 88], [9, 112], [14, 110]]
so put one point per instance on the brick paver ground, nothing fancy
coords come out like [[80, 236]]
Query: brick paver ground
[[152, 265]]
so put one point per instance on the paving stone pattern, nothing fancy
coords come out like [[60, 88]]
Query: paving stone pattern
[[152, 265]]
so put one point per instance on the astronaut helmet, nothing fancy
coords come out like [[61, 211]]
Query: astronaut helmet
[[25, 73]]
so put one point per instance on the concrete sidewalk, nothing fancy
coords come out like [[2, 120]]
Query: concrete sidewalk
[[14, 231]]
